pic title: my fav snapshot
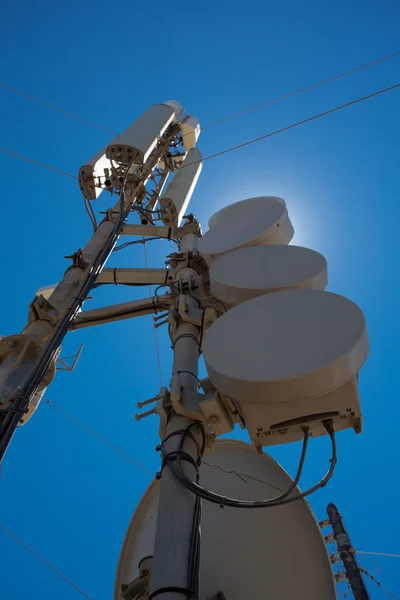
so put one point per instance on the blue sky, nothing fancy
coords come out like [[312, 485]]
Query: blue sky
[[64, 493]]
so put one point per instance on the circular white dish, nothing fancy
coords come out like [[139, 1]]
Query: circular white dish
[[250, 272], [286, 346], [251, 222], [245, 554]]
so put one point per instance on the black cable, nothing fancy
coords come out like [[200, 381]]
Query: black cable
[[189, 373], [90, 212], [170, 285], [178, 590], [232, 502], [21, 402]]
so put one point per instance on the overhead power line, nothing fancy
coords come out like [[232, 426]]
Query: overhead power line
[[300, 91], [14, 537], [39, 164], [96, 435], [313, 118], [224, 119], [233, 148], [379, 554], [54, 107]]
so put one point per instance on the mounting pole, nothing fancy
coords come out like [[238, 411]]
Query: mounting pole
[[177, 505], [347, 554]]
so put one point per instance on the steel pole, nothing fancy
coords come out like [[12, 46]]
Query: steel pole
[[177, 505], [347, 554]]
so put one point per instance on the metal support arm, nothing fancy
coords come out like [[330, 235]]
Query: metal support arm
[[124, 276], [162, 232], [126, 310]]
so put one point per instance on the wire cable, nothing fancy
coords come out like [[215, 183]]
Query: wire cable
[[301, 90], [293, 125], [378, 583], [241, 476], [233, 502], [379, 554], [38, 164], [21, 543], [90, 212], [224, 119], [239, 146], [154, 325], [98, 437], [54, 107]]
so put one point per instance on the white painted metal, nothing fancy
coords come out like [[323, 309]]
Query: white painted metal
[[177, 195], [281, 422], [125, 310], [250, 272], [137, 142], [134, 276], [257, 221], [177, 106], [286, 346], [141, 136], [190, 128], [274, 553], [47, 290]]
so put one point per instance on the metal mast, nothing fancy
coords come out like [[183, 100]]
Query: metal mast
[[287, 379]]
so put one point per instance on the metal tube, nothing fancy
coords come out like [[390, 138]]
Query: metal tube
[[176, 509], [133, 276], [118, 312]]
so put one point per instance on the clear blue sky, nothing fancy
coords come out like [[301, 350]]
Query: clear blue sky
[[64, 493]]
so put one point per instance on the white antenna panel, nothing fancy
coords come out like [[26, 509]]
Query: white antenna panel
[[141, 137], [137, 141], [177, 106], [276, 553], [190, 128], [177, 196], [256, 221], [93, 174], [286, 347], [250, 272]]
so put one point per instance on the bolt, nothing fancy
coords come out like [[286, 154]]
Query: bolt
[[37, 350], [12, 344]]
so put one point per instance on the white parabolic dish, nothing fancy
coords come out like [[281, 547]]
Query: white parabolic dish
[[250, 272], [276, 553], [230, 212], [286, 346], [263, 220]]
